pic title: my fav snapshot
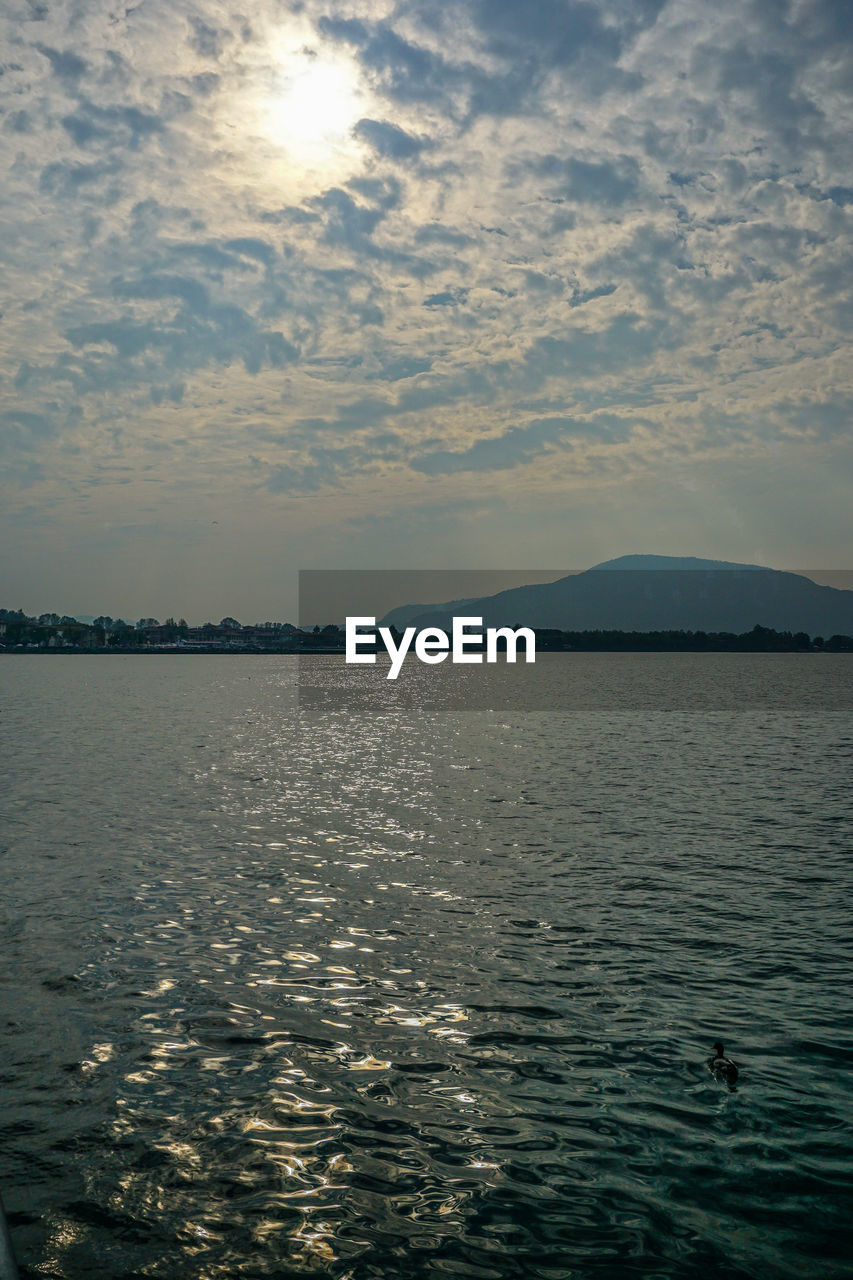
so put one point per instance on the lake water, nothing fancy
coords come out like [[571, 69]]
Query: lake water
[[316, 993]]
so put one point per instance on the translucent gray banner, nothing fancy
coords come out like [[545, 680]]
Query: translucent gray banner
[[612, 638]]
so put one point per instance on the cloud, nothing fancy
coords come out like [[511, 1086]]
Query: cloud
[[251, 247], [127, 338], [552, 242], [447, 298], [198, 334], [118, 125], [67, 180], [66, 65], [409, 72], [305, 479], [24, 426], [190, 291], [174, 393], [436, 233], [205, 39], [608, 183], [389, 139], [517, 445]]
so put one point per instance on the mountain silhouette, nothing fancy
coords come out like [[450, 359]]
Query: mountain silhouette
[[655, 593]]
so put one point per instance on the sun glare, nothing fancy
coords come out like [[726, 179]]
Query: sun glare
[[315, 104]]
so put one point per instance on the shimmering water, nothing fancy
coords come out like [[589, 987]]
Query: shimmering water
[[289, 994]]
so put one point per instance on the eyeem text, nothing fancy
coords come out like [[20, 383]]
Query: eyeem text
[[432, 644]]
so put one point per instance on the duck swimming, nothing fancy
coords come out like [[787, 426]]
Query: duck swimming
[[721, 1067]]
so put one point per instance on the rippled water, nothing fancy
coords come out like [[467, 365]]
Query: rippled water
[[366, 996]]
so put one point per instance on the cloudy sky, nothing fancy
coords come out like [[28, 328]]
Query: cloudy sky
[[439, 283]]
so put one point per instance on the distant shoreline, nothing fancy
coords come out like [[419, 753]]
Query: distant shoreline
[[759, 640]]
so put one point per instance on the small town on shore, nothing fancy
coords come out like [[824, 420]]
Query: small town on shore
[[54, 633]]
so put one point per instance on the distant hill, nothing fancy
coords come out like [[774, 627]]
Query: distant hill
[[656, 593]]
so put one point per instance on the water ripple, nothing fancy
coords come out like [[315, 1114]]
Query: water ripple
[[370, 996]]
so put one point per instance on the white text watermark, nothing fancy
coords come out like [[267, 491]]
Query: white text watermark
[[433, 645]]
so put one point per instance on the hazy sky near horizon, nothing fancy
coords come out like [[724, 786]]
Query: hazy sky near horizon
[[438, 283]]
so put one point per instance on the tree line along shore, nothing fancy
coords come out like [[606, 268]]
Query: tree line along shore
[[53, 633]]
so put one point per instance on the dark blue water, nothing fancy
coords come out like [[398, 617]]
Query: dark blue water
[[289, 994]]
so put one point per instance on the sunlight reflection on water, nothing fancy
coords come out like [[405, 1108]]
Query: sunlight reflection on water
[[358, 996]]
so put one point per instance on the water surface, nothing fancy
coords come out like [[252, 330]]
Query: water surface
[[323, 994]]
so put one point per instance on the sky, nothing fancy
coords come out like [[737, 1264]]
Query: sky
[[442, 283]]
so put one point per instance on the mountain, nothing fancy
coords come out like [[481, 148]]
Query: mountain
[[656, 593]]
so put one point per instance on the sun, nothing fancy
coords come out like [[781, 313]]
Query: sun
[[315, 101]]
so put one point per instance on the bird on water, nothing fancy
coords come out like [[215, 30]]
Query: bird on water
[[721, 1067]]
